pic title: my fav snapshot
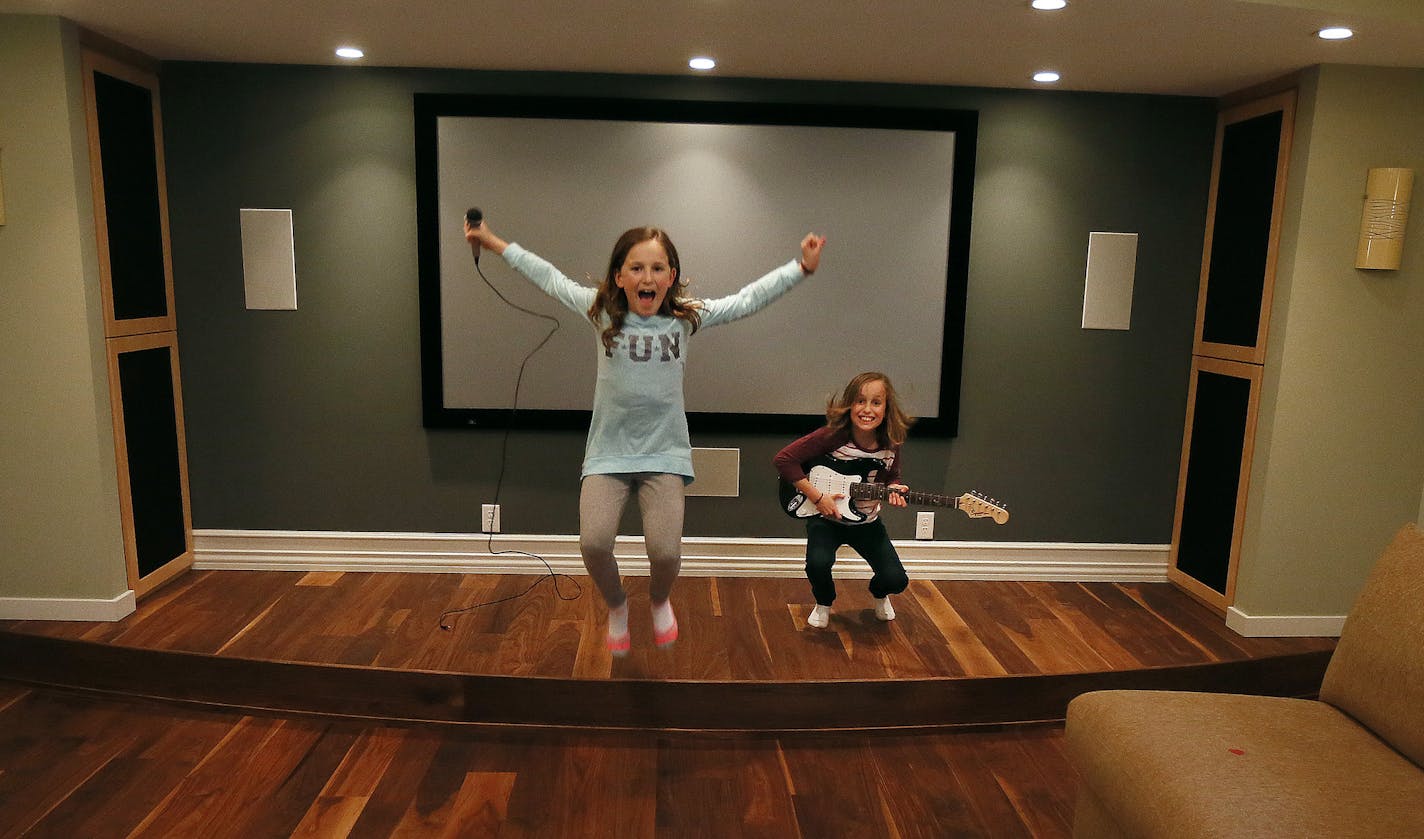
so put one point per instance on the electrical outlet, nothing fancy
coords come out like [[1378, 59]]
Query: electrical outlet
[[924, 525], [489, 518]]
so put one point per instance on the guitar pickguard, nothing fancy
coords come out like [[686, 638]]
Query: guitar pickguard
[[828, 474]]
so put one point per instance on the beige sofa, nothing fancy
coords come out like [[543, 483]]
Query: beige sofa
[[1175, 764]]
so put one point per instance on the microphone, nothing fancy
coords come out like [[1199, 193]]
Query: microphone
[[475, 217]]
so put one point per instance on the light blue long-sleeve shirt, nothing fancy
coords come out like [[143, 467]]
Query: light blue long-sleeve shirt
[[639, 416]]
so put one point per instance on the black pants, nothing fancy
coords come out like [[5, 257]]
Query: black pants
[[824, 537]]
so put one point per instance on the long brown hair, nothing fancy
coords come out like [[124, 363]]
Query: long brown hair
[[610, 299], [895, 426]]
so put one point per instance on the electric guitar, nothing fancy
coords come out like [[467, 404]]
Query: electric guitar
[[847, 478]]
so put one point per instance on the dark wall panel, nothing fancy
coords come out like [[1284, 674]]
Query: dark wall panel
[[1213, 478], [135, 231], [151, 439], [311, 419], [1241, 230]]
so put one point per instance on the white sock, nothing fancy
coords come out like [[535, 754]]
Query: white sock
[[618, 621], [663, 618], [820, 616], [883, 609]]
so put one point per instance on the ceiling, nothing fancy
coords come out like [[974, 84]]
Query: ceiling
[[1190, 47]]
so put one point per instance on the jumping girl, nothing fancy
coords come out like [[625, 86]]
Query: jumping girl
[[638, 439]]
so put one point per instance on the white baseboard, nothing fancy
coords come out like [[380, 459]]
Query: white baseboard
[[66, 608], [1284, 626], [278, 550]]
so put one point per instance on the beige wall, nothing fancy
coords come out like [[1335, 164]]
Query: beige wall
[[60, 530], [1340, 445]]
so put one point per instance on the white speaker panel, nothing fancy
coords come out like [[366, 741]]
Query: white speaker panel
[[718, 472], [1107, 290], [269, 262]]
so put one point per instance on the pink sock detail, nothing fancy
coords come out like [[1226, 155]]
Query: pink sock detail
[[664, 624]]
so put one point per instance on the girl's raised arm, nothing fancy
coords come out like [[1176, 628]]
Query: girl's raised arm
[[759, 293]]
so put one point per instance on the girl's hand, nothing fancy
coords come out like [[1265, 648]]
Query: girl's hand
[[826, 505], [482, 237], [811, 252], [896, 499]]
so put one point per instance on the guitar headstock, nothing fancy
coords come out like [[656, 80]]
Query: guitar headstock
[[978, 506]]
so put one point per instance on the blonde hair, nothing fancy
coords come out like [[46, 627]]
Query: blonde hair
[[895, 426], [609, 299]]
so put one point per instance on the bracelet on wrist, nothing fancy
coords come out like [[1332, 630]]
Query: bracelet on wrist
[[807, 271]]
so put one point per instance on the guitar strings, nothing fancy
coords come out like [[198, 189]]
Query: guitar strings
[[499, 481]]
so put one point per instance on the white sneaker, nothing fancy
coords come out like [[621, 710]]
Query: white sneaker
[[883, 609], [820, 617]]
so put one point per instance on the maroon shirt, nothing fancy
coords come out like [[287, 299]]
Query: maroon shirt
[[840, 446]]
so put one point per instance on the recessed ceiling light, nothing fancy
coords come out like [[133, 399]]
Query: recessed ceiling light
[[702, 62], [1048, 5], [350, 52], [1045, 76], [1335, 33]]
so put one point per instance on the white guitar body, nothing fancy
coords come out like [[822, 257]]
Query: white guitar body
[[827, 480]]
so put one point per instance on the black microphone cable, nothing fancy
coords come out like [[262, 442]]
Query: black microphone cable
[[503, 462]]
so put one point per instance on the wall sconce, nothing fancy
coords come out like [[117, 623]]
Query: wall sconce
[[1386, 211]]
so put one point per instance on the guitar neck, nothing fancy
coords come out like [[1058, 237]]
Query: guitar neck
[[929, 499], [923, 499]]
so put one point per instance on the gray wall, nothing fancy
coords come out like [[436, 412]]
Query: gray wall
[[310, 420], [60, 532]]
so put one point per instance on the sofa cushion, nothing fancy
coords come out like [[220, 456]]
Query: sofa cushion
[[1376, 673], [1167, 763]]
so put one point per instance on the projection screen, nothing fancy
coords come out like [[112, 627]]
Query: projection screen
[[736, 186]]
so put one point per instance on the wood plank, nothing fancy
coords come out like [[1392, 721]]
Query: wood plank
[[31, 733], [715, 788], [1154, 642], [398, 785], [1052, 644], [1065, 603], [982, 790], [162, 749], [205, 615], [748, 654], [342, 800], [284, 809], [992, 620], [214, 801], [969, 656], [837, 793], [1041, 799], [701, 649], [602, 785], [921, 791]]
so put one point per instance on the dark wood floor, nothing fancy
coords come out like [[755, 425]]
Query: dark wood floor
[[77, 766], [732, 629], [752, 725]]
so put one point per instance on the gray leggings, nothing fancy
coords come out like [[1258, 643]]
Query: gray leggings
[[601, 502]]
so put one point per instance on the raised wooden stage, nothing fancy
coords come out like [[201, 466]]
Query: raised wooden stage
[[961, 653]]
